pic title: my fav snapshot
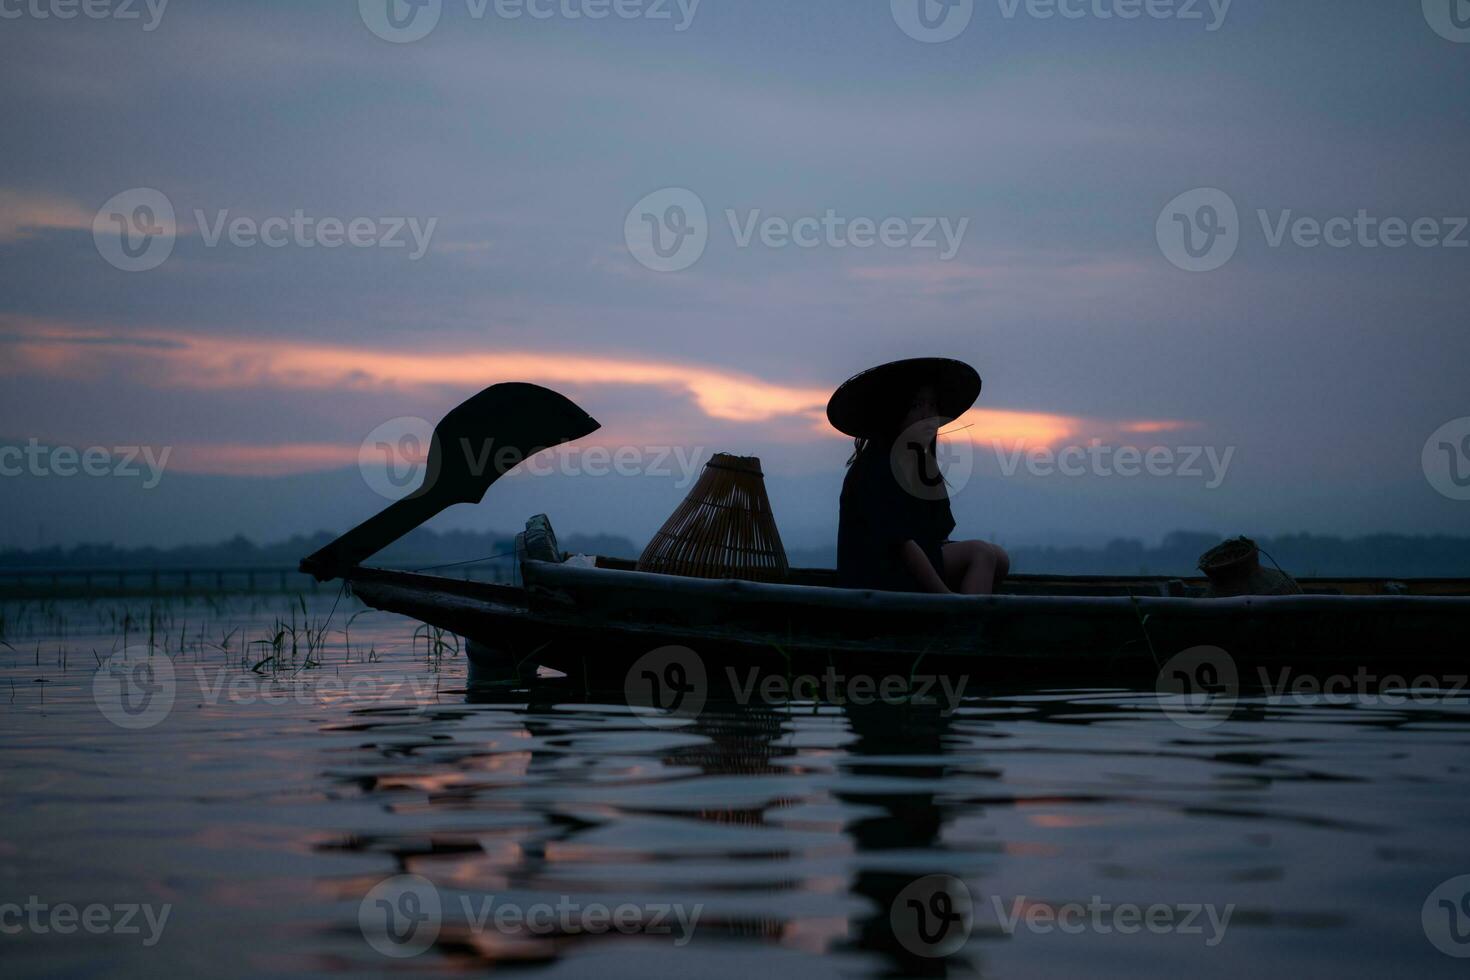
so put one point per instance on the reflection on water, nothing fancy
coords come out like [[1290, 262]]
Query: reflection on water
[[1029, 832]]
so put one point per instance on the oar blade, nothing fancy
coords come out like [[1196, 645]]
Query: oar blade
[[476, 444]]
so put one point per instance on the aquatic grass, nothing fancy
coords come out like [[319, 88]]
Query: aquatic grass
[[274, 644], [1143, 619], [914, 667], [435, 644], [347, 635], [255, 635]]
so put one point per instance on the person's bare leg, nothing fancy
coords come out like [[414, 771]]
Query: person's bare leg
[[974, 567], [1002, 566]]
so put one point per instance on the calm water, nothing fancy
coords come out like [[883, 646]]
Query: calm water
[[260, 822]]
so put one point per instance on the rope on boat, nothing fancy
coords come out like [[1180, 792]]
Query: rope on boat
[[470, 561]]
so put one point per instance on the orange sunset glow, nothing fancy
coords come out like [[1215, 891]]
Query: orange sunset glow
[[199, 362]]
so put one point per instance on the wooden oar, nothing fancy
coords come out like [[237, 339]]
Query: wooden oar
[[473, 446]]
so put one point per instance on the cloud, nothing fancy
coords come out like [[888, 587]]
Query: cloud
[[235, 459], [731, 406], [25, 212]]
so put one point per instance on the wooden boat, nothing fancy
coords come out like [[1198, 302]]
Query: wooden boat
[[594, 621], [595, 617]]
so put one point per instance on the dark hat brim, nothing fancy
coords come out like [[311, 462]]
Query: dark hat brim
[[871, 404]]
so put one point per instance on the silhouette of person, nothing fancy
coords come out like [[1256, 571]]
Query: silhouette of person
[[895, 523]]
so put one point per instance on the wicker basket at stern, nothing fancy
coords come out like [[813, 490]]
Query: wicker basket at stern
[[723, 529]]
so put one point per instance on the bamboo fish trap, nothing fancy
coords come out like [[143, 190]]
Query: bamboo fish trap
[[723, 529]]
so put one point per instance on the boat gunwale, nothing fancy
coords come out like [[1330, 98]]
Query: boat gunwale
[[545, 579]]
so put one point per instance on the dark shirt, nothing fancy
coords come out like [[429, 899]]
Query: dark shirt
[[878, 515]]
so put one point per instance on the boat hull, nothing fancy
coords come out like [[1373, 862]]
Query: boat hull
[[595, 623]]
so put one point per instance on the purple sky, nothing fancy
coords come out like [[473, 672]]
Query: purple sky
[[365, 230]]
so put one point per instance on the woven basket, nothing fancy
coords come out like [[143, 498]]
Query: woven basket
[[723, 529]]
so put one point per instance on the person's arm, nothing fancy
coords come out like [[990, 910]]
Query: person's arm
[[921, 567]]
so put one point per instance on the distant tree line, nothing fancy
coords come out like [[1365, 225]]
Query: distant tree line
[[418, 549], [1304, 555]]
